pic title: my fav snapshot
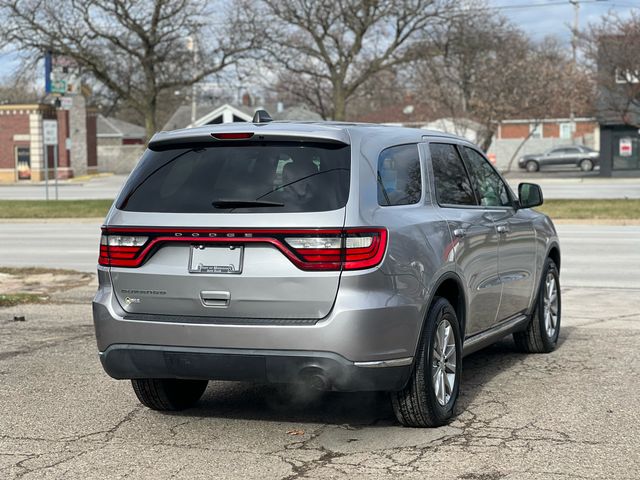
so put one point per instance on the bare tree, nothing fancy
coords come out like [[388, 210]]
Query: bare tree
[[136, 49], [488, 70], [612, 47], [329, 49]]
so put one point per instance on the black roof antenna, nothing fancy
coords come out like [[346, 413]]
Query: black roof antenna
[[262, 116]]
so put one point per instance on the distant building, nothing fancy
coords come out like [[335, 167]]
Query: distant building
[[22, 152], [112, 131], [421, 115], [618, 106], [463, 127], [521, 136], [560, 128]]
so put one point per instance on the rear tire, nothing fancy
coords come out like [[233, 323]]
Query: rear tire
[[541, 335], [532, 166], [586, 165], [430, 396], [166, 394]]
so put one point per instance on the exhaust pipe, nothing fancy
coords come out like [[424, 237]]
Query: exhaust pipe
[[315, 379]]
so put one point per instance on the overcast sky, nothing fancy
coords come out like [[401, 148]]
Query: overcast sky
[[538, 18]]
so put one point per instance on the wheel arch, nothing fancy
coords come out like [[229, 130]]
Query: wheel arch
[[554, 254], [449, 286]]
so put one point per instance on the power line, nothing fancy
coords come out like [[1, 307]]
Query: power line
[[540, 5]]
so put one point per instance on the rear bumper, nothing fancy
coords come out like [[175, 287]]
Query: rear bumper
[[366, 342], [320, 370]]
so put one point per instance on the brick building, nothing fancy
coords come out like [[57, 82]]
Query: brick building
[[559, 128], [22, 153]]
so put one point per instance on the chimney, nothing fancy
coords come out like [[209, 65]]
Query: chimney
[[246, 99]]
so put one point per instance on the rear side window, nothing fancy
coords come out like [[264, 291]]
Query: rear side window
[[399, 177], [245, 177], [452, 183]]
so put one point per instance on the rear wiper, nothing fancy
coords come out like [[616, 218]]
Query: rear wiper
[[232, 203]]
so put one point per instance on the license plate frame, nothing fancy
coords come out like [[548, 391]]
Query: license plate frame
[[218, 259]]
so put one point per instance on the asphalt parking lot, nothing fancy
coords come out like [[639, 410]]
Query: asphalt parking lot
[[570, 414]]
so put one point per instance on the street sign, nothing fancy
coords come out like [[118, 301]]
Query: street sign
[[66, 103], [62, 74], [50, 132], [626, 147], [50, 137]]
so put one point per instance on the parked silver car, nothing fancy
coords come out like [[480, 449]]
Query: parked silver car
[[582, 157], [345, 257]]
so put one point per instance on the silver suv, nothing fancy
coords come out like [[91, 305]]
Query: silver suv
[[345, 257]]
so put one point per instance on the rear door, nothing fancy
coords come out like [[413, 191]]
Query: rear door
[[242, 229], [474, 237], [516, 235]]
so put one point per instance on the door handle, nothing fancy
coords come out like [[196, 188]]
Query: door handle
[[502, 229], [459, 232]]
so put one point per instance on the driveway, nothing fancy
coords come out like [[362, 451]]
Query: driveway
[[91, 188], [572, 414]]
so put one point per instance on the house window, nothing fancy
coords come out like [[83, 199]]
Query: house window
[[566, 130], [536, 130], [627, 75]]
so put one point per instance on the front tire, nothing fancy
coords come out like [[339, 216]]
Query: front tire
[[532, 166], [430, 396], [167, 394], [541, 335], [586, 165]]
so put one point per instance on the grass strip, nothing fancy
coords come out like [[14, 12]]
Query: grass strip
[[54, 208], [12, 299], [618, 209]]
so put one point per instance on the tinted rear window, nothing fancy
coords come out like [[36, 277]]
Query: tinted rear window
[[399, 178], [245, 177]]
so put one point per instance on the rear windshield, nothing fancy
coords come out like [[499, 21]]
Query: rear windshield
[[246, 177]]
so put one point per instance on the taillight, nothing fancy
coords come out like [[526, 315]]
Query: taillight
[[308, 249], [121, 250], [353, 249]]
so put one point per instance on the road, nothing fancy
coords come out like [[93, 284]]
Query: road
[[583, 188], [592, 255], [94, 188], [572, 414], [553, 186]]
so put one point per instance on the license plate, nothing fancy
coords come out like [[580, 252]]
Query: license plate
[[204, 259]]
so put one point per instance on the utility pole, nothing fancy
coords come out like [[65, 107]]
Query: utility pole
[[192, 46], [574, 67]]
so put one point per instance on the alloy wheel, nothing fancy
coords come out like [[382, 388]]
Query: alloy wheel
[[550, 305], [443, 365]]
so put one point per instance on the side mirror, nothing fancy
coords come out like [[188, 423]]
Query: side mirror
[[529, 195]]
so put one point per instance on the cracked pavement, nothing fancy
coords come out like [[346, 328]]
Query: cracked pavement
[[572, 414]]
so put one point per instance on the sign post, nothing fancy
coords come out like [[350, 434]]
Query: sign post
[[50, 134]]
